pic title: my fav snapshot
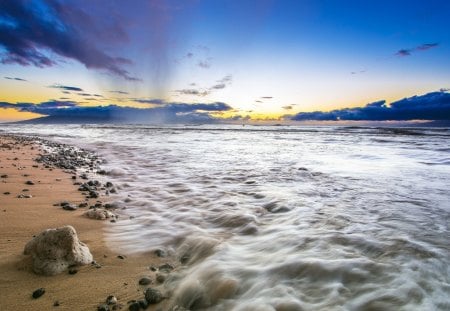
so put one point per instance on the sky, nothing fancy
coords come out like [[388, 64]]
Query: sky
[[218, 60]]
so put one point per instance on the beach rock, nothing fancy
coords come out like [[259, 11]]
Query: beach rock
[[69, 207], [54, 250], [143, 303], [111, 300], [100, 214], [38, 293], [167, 268], [134, 306], [145, 281], [160, 278], [103, 308], [29, 182], [153, 296]]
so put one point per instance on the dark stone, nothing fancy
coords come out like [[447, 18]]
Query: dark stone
[[145, 281], [184, 259], [134, 306], [160, 278], [103, 307], [121, 257], [74, 177], [143, 303], [166, 268], [153, 296], [109, 184], [29, 182], [160, 253], [73, 271], [111, 300], [38, 292], [93, 194], [4, 176], [81, 205], [56, 303], [70, 207], [152, 268], [7, 193]]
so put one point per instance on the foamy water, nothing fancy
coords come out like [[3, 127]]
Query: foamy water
[[283, 218]]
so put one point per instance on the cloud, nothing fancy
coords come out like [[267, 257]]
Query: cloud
[[195, 92], [289, 107], [119, 92], [218, 86], [16, 79], [422, 47], [266, 97], [431, 106], [155, 101], [37, 31], [205, 64], [227, 79], [66, 88], [403, 52], [69, 111], [426, 46]]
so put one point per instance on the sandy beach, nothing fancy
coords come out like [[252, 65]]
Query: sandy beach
[[21, 218]]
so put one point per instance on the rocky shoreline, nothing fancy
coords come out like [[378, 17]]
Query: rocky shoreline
[[82, 169]]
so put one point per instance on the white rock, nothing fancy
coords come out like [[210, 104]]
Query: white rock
[[99, 213], [54, 250]]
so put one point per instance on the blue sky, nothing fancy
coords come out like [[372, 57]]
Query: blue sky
[[264, 59]]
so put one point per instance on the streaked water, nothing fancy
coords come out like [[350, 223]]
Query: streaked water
[[284, 218]]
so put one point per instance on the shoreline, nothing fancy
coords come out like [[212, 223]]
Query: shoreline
[[31, 193]]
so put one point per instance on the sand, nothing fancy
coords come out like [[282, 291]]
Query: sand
[[21, 218]]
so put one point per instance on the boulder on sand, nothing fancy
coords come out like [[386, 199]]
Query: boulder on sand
[[54, 250]]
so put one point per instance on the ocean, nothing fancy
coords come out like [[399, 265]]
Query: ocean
[[282, 217]]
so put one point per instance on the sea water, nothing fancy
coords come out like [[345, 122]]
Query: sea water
[[282, 218]]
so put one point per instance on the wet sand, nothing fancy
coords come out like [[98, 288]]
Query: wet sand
[[21, 218]]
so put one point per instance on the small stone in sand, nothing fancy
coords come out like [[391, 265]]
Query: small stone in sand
[[56, 303], [38, 293], [145, 281], [111, 300], [166, 268], [4, 176], [7, 193], [121, 257], [73, 270], [153, 296], [29, 182], [160, 278], [102, 308], [134, 306]]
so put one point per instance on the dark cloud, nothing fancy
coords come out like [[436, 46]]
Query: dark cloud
[[227, 79], [84, 94], [218, 86], [431, 106], [69, 111], [66, 88], [289, 107], [426, 46], [36, 30], [422, 47], [266, 97], [205, 64], [403, 52], [154, 101], [119, 92], [16, 79], [195, 92], [190, 55]]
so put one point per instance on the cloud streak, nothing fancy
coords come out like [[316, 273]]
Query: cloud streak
[[431, 106], [422, 47], [16, 79], [36, 31], [66, 88]]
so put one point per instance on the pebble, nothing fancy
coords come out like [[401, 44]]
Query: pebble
[[160, 253], [56, 303], [153, 296], [111, 300], [103, 307], [73, 271], [121, 257], [70, 207], [38, 292], [153, 268], [4, 176], [7, 193], [160, 278], [134, 306], [145, 281], [166, 268], [29, 182]]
